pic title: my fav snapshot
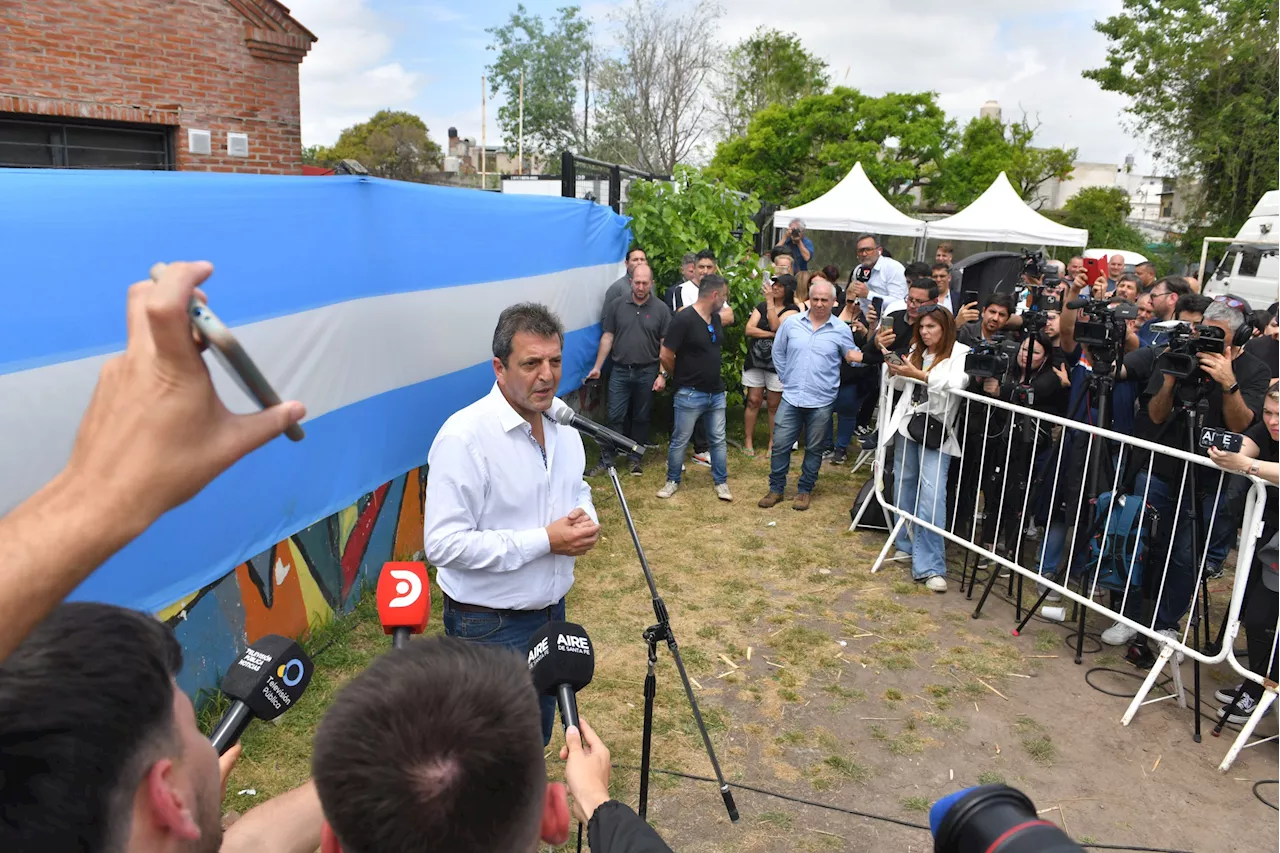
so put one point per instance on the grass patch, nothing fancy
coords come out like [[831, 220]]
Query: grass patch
[[893, 694], [847, 768], [990, 777], [1047, 641], [792, 738], [798, 641], [942, 722], [711, 632], [781, 820], [915, 804], [909, 743], [1027, 725], [843, 692], [1041, 749]]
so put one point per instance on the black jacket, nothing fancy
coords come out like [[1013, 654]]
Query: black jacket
[[614, 828]]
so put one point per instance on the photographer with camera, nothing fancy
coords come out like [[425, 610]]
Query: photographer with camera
[[1031, 379], [797, 245], [997, 308]]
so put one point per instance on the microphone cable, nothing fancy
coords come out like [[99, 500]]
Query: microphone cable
[[871, 815]]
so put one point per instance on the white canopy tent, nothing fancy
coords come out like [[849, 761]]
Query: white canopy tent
[[1000, 215], [854, 205]]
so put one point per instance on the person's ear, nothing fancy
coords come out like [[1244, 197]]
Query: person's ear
[[172, 810], [555, 815], [498, 367], [329, 842]]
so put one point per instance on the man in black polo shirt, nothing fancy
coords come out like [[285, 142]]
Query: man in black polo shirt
[[691, 354], [633, 331]]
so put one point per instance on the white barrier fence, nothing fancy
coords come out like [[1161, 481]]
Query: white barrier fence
[[1011, 458]]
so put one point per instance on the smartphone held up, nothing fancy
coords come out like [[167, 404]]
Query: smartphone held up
[[231, 355]]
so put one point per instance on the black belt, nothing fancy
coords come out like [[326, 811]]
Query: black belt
[[638, 364], [476, 608]]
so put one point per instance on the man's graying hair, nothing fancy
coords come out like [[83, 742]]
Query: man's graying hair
[[689, 258], [529, 317], [1224, 313]]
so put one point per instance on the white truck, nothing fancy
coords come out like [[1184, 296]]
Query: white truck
[[1250, 269]]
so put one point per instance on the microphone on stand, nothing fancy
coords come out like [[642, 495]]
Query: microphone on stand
[[404, 601], [562, 662], [268, 679], [602, 435]]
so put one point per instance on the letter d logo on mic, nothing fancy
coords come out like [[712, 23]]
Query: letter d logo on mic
[[409, 587], [404, 599]]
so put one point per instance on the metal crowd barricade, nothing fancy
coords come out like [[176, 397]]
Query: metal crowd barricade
[[1058, 578]]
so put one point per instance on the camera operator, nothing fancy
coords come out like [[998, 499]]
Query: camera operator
[[1258, 457], [1031, 381], [1201, 362], [997, 308], [797, 245]]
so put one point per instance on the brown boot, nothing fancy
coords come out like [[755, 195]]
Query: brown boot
[[770, 500], [801, 502]]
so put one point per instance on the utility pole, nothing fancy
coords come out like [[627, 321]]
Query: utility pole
[[484, 183], [520, 153]]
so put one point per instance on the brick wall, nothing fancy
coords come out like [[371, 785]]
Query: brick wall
[[216, 65]]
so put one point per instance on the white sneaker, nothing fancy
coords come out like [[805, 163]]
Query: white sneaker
[[900, 556], [937, 583], [1228, 694], [703, 458], [1119, 634], [1172, 634], [669, 489], [722, 492]]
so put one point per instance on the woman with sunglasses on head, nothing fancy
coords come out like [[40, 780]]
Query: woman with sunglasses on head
[[759, 376], [922, 426]]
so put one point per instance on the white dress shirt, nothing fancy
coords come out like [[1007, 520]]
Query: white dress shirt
[[491, 492], [888, 280]]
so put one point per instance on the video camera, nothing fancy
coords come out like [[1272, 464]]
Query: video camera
[[990, 359], [1034, 266], [1107, 322], [1185, 343]]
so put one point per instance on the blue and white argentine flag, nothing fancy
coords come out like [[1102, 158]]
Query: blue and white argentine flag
[[373, 302]]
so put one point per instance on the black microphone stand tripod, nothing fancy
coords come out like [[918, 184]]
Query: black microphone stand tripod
[[653, 635]]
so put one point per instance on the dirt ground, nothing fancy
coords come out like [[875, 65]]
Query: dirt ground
[[825, 682]]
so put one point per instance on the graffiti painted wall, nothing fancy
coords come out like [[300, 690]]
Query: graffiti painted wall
[[298, 583]]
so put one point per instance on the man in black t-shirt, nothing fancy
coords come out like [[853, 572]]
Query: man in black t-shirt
[[1234, 384], [691, 354]]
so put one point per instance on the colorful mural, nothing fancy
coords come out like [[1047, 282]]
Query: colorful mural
[[299, 583]]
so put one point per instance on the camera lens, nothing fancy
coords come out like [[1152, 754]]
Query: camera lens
[[994, 819]]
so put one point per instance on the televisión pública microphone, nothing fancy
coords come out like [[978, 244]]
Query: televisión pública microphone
[[266, 681]]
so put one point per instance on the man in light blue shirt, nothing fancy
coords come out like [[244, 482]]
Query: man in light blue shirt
[[807, 351]]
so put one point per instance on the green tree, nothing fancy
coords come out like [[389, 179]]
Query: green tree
[[768, 67], [691, 213], [553, 56], [391, 144], [792, 154], [1202, 76], [987, 148], [1104, 211]]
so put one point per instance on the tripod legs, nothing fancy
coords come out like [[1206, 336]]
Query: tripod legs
[[646, 740]]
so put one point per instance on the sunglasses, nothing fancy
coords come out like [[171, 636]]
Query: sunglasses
[[712, 330], [929, 309], [1230, 302]]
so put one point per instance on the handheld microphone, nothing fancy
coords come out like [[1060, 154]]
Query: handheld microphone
[[562, 662], [268, 679], [602, 435], [404, 600]]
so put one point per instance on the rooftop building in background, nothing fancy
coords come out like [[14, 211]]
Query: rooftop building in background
[[198, 85], [991, 109]]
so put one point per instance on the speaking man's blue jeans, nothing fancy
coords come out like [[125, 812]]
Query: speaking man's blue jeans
[[787, 424], [510, 628]]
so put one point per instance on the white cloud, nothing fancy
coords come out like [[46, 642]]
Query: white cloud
[[348, 75]]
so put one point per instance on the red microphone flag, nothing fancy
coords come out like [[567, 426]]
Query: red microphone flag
[[404, 597]]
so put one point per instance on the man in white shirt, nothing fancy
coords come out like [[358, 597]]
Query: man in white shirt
[[507, 508], [888, 278], [686, 292]]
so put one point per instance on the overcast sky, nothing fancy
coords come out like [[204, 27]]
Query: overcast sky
[[1027, 54]]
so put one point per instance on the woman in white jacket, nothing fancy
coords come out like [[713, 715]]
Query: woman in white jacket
[[922, 425]]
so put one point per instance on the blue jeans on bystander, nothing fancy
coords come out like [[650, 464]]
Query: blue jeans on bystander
[[787, 424], [690, 404], [920, 486]]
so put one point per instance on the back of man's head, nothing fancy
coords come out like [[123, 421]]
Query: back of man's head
[[711, 282], [86, 708], [915, 270], [1176, 284], [435, 746], [1190, 303]]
